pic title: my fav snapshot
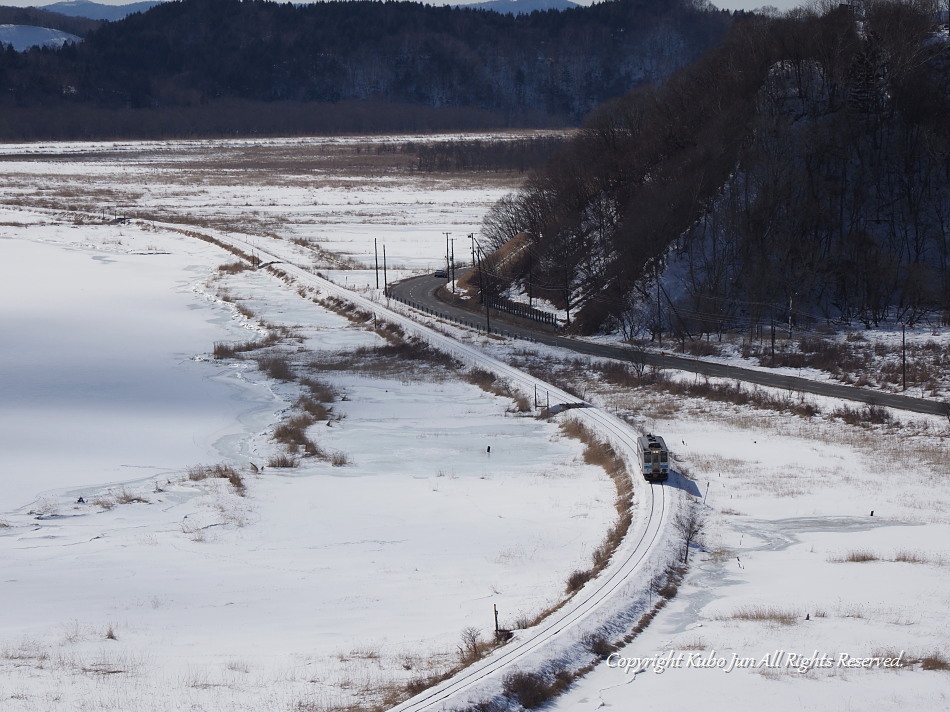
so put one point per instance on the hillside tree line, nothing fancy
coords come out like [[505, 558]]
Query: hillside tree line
[[192, 56], [798, 172]]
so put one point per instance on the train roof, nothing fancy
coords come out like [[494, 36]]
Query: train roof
[[653, 442]]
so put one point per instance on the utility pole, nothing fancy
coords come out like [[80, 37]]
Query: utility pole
[[376, 253], [789, 316], [481, 286], [567, 294], [448, 269], [385, 277], [452, 273], [904, 355], [471, 236], [772, 362]]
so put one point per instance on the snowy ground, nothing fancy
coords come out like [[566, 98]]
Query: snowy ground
[[324, 585], [795, 563]]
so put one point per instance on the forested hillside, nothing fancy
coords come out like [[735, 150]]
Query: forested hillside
[[798, 173], [36, 17], [315, 61]]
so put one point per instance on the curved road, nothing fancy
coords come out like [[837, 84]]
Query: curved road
[[422, 291]]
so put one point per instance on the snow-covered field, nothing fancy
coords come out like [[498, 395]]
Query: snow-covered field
[[824, 543], [324, 585]]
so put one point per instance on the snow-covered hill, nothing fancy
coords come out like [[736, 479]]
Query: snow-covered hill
[[97, 11], [23, 37]]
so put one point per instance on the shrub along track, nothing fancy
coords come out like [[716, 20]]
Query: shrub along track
[[620, 586]]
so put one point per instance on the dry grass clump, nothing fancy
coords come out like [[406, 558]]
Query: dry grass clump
[[858, 556], [389, 331], [904, 556], [323, 392], [620, 374], [736, 393], [339, 459], [613, 539], [124, 496], [276, 366], [577, 580], [408, 350], [313, 408], [292, 433], [283, 461], [521, 403], [226, 472], [407, 360], [665, 584], [423, 683], [599, 645], [600, 453], [228, 350], [823, 354], [233, 267], [480, 377], [935, 661], [766, 614], [532, 690], [869, 415], [489, 383]]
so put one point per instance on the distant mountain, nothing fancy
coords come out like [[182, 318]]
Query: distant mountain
[[35, 17], [520, 7], [22, 37], [97, 11]]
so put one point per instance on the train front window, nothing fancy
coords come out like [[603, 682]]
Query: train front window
[[662, 457]]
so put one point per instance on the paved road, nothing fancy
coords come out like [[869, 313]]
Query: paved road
[[422, 291]]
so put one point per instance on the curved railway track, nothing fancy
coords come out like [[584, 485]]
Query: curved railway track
[[640, 554], [555, 625]]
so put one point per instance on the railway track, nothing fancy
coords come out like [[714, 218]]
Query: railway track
[[629, 572]]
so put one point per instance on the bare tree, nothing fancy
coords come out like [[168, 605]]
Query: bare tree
[[471, 639], [690, 524], [503, 221]]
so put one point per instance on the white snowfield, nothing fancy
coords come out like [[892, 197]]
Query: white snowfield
[[617, 595], [821, 582]]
